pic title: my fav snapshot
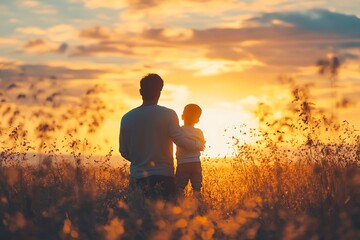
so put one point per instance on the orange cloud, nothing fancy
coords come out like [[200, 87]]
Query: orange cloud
[[31, 30], [38, 7], [41, 46], [95, 33], [30, 3], [8, 41], [61, 32]]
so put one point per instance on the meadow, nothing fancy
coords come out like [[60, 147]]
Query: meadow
[[299, 180]]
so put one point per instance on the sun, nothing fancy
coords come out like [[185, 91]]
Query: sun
[[220, 125]]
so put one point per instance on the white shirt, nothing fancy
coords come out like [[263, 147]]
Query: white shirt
[[184, 155], [146, 139]]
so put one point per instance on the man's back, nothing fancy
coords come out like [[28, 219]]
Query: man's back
[[146, 140]]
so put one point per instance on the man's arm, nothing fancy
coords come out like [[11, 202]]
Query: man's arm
[[201, 136], [179, 138], [123, 148]]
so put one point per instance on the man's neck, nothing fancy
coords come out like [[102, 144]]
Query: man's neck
[[149, 102]]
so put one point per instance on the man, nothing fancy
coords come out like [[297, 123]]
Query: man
[[146, 140]]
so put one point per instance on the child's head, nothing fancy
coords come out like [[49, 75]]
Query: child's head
[[191, 114]]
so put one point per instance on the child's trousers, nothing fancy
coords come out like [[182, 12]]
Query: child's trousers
[[186, 172]]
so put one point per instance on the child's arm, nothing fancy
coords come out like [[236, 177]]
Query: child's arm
[[196, 135]]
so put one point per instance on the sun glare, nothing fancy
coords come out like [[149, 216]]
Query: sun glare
[[219, 126]]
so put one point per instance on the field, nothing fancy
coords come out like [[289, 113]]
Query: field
[[299, 180], [239, 201]]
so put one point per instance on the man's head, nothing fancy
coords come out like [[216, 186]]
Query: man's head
[[191, 114], [151, 86]]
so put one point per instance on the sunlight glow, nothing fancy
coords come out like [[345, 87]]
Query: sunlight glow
[[219, 125], [179, 34], [205, 67]]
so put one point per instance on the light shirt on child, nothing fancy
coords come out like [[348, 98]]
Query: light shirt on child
[[184, 155]]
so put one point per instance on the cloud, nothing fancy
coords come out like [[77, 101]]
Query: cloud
[[102, 48], [46, 10], [105, 4], [7, 63], [130, 89], [41, 46], [34, 43], [14, 21], [39, 84], [8, 41], [149, 13], [141, 4], [310, 26], [62, 32], [317, 20], [38, 7], [177, 93], [274, 39], [31, 30], [62, 48], [51, 72], [59, 33], [282, 38], [227, 53], [206, 67], [248, 104], [291, 39], [177, 34], [30, 3], [198, 5], [95, 33]]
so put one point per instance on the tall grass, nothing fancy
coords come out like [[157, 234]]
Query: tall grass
[[239, 201]]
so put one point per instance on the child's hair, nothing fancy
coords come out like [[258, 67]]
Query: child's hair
[[191, 113]]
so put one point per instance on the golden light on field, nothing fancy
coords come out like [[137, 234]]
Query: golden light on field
[[226, 59]]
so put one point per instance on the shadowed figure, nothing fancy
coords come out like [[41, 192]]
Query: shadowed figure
[[147, 134], [188, 161]]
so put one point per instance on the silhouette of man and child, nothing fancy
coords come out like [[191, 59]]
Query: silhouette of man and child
[[147, 134]]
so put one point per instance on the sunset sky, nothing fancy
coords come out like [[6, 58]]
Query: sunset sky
[[225, 55]]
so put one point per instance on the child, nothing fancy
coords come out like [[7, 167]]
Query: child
[[188, 162]]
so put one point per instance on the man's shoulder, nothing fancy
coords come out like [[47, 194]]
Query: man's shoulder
[[165, 109], [148, 110], [130, 113]]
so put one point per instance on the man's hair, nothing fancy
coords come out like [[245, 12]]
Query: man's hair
[[151, 86], [192, 113]]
